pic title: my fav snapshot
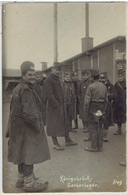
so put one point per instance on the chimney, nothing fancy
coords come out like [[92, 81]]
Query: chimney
[[87, 42], [44, 65]]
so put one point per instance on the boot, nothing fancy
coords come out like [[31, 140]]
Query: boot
[[32, 185], [56, 144], [90, 149], [119, 131], [68, 141], [20, 180]]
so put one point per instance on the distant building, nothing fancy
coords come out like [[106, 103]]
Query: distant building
[[107, 57], [10, 78]]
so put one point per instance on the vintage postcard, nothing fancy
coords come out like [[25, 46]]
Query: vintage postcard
[[64, 97]]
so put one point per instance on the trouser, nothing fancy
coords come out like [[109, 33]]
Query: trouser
[[95, 126], [69, 112], [76, 122], [85, 124], [105, 130], [67, 139], [24, 169], [119, 127], [96, 133]]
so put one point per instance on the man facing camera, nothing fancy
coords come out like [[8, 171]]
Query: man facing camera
[[27, 140]]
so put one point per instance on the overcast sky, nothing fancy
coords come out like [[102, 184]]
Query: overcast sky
[[28, 29]]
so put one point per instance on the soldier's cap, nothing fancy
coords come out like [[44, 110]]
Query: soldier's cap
[[83, 72], [57, 65], [94, 72], [44, 75], [73, 74], [103, 75], [26, 66], [39, 72], [121, 71]]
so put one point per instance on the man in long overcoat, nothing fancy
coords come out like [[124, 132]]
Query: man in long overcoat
[[111, 93], [82, 88], [120, 105], [55, 116], [27, 140], [39, 87]]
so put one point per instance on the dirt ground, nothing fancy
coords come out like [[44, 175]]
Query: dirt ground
[[74, 169]]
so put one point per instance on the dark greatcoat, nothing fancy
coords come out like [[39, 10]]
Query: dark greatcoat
[[55, 120], [111, 93], [39, 88], [27, 139], [120, 105], [69, 103], [82, 88]]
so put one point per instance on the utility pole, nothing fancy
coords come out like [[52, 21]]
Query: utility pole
[[55, 34], [87, 20]]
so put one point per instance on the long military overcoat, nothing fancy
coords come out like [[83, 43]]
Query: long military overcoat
[[120, 105], [111, 93], [55, 119], [27, 139], [82, 88]]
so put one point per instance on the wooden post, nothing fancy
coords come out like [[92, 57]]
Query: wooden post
[[55, 34]]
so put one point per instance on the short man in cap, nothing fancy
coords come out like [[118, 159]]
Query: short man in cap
[[82, 88], [120, 105], [95, 105], [69, 101], [111, 93], [27, 140], [39, 87], [55, 117]]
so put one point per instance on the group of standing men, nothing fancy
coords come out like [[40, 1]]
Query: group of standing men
[[36, 103]]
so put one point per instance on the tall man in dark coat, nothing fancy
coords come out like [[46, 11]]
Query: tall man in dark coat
[[120, 105], [27, 140], [55, 116], [95, 105], [111, 93], [82, 88]]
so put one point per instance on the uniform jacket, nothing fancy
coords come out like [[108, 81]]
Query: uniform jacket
[[27, 140], [82, 88], [96, 94], [55, 120], [120, 105]]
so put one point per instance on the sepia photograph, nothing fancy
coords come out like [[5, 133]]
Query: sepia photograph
[[64, 97]]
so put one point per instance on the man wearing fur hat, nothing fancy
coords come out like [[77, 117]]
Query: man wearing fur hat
[[27, 140]]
